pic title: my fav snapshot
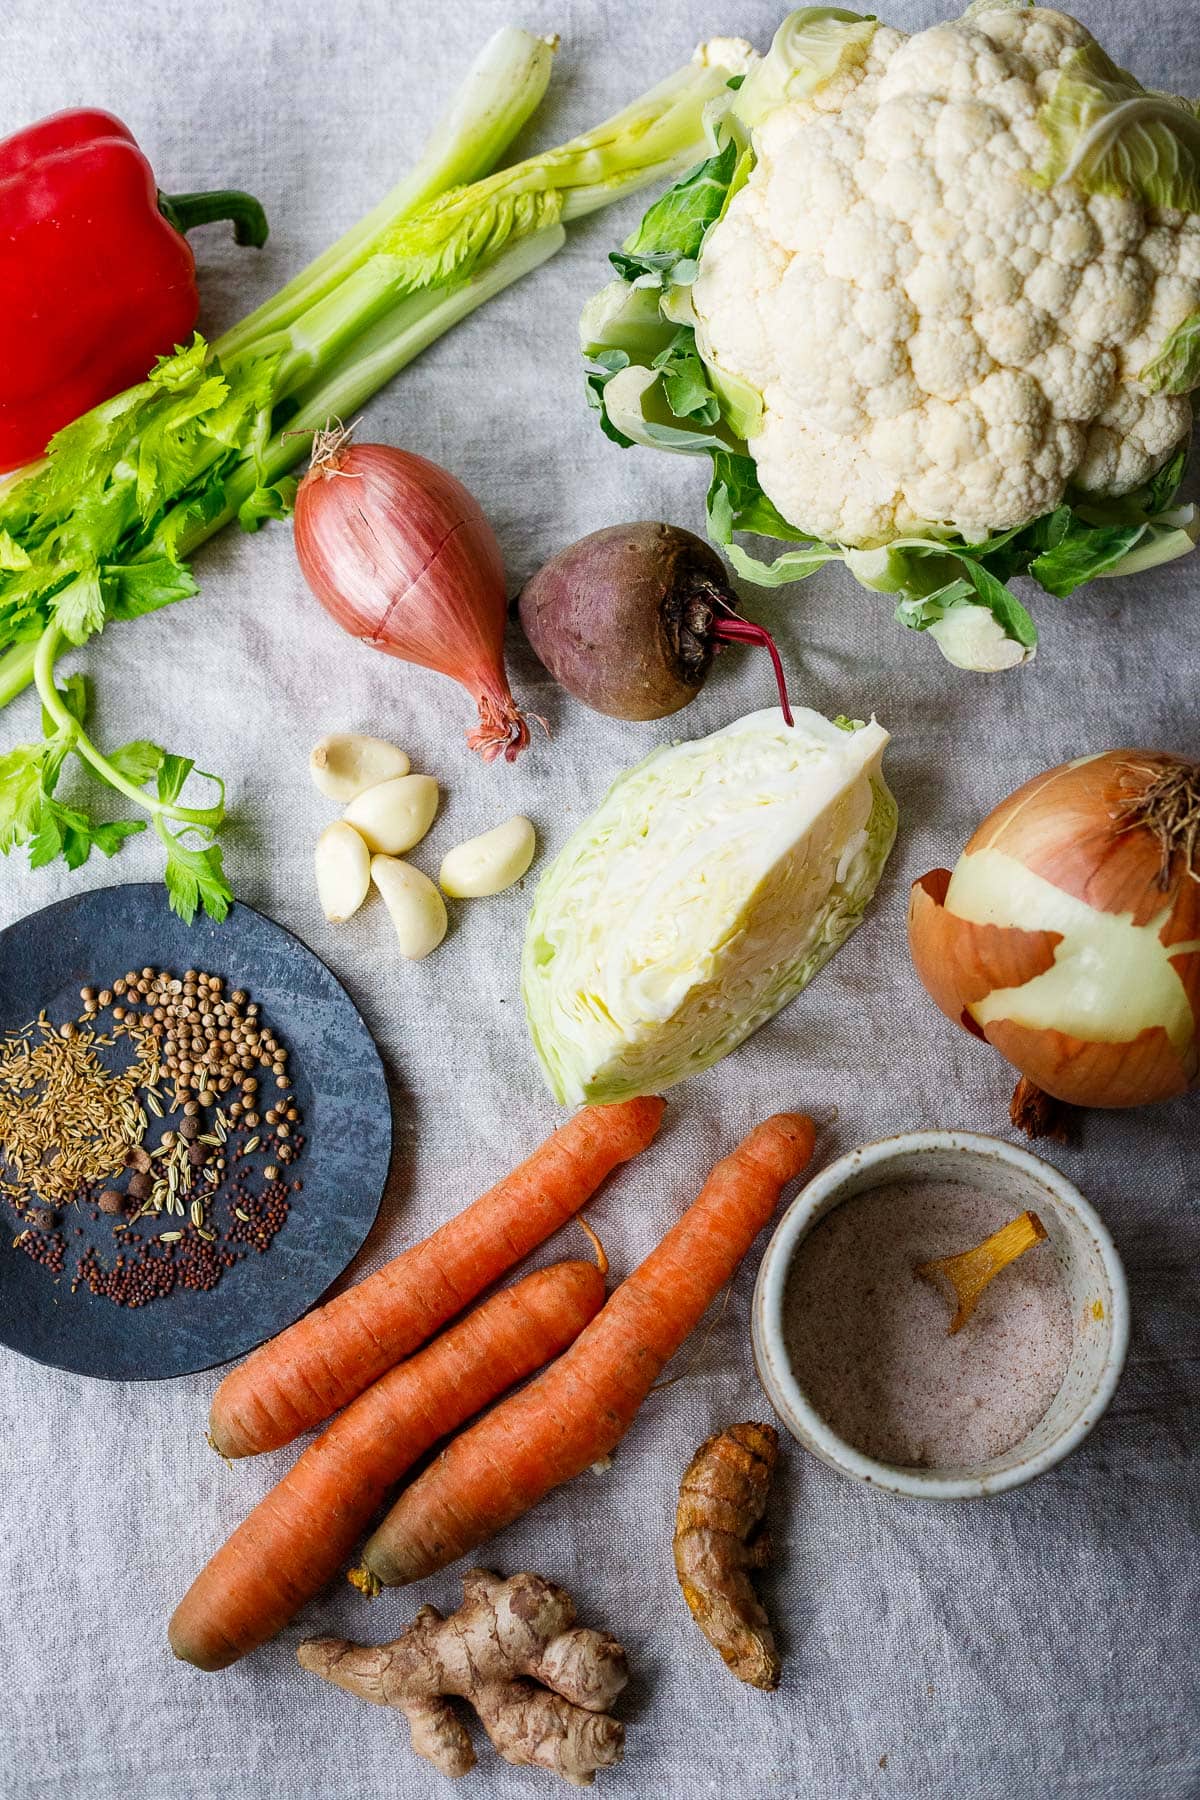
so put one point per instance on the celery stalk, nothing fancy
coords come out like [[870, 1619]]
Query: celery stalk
[[382, 352], [499, 95]]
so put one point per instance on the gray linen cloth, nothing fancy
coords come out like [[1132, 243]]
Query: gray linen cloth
[[1041, 1646]]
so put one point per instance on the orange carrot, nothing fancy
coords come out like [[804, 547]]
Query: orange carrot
[[324, 1360], [299, 1537], [580, 1408]]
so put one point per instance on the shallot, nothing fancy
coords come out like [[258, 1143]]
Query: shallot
[[1068, 935], [401, 555]]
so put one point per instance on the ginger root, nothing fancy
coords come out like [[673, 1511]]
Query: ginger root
[[540, 1684], [722, 1499]]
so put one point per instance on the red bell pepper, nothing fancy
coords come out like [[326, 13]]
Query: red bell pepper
[[96, 276]]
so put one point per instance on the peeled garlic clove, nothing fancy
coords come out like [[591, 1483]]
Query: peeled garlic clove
[[490, 863], [395, 815], [417, 910], [343, 865], [345, 764]]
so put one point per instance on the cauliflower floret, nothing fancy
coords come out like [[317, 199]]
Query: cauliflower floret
[[1042, 38], [937, 339], [747, 269], [1132, 438]]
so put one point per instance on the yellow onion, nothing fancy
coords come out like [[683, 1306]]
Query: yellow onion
[[1068, 935]]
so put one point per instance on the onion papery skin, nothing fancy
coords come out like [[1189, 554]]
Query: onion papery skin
[[400, 554], [1056, 940]]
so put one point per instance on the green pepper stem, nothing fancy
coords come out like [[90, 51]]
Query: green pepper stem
[[186, 211], [48, 647]]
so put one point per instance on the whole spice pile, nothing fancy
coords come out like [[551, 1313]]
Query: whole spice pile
[[207, 1075]]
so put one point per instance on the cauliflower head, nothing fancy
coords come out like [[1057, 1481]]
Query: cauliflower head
[[939, 336], [932, 308]]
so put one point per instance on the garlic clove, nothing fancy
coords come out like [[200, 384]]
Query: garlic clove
[[343, 865], [489, 863], [345, 764], [395, 815], [417, 910]]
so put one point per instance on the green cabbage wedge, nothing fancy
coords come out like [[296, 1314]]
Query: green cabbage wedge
[[709, 887]]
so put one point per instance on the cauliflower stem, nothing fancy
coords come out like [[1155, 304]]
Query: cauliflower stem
[[931, 308]]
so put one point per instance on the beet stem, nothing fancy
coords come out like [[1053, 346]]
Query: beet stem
[[744, 631]]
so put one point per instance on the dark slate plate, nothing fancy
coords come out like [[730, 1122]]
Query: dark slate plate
[[340, 1089]]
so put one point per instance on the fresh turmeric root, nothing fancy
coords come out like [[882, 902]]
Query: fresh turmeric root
[[722, 1499], [541, 1685]]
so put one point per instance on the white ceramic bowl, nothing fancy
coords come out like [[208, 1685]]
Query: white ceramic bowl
[[1091, 1268]]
